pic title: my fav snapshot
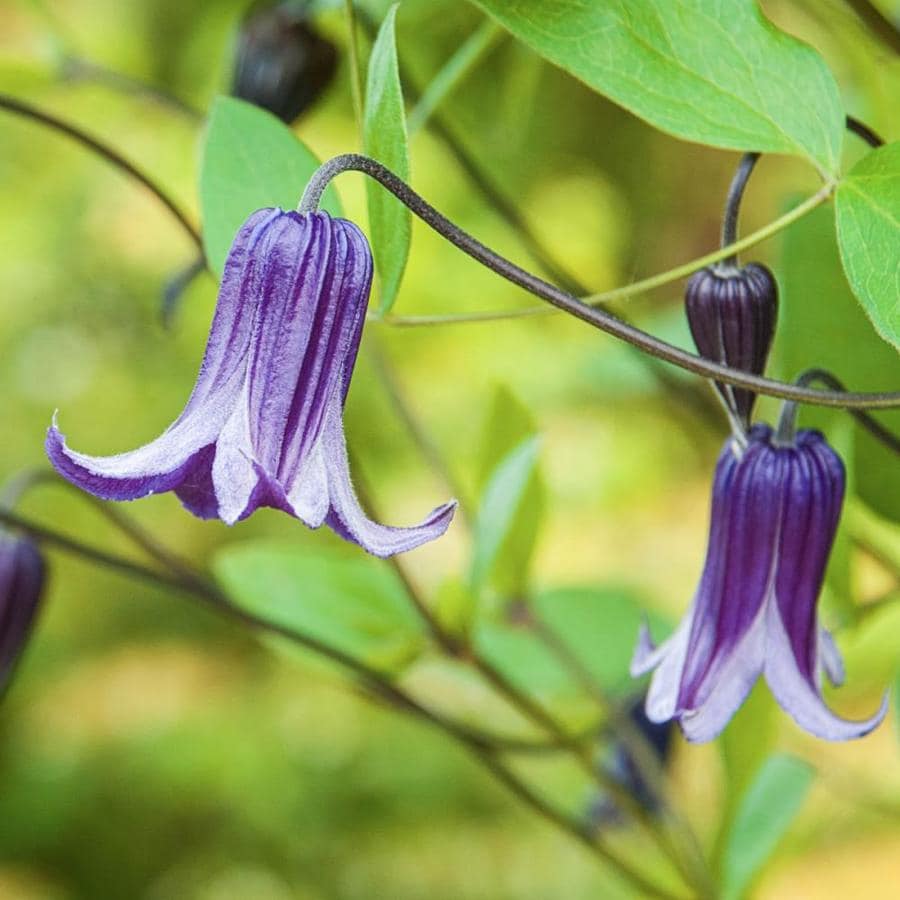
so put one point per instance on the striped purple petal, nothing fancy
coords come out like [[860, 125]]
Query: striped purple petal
[[264, 425], [774, 514]]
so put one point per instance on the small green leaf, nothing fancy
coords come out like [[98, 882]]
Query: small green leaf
[[867, 206], [384, 137], [355, 604], [250, 160], [764, 815], [716, 73], [455, 606], [507, 423], [598, 625], [508, 519], [744, 746]]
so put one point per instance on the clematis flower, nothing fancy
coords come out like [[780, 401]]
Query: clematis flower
[[22, 576], [775, 510], [264, 424]]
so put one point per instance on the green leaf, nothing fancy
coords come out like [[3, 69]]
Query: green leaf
[[355, 604], [744, 745], [716, 73], [867, 207], [250, 160], [599, 625], [819, 320], [507, 523], [508, 422], [765, 813], [384, 137]]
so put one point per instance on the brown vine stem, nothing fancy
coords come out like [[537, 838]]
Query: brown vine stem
[[202, 589], [108, 153]]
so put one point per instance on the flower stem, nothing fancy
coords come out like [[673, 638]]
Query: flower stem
[[598, 318], [733, 204], [21, 108], [200, 588]]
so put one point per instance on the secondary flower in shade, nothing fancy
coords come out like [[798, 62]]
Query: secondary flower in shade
[[281, 62], [264, 424], [732, 313], [775, 510], [22, 575]]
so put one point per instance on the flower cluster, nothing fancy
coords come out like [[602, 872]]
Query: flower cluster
[[775, 509], [264, 424]]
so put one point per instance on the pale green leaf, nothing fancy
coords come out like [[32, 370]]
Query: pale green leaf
[[508, 519], [250, 160], [716, 73], [355, 604], [867, 207], [384, 137], [765, 813]]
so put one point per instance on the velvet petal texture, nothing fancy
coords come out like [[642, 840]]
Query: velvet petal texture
[[264, 424], [22, 576], [774, 515]]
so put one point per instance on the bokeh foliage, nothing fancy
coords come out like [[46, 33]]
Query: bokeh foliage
[[148, 751]]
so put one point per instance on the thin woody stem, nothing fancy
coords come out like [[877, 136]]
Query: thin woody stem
[[481, 747], [108, 153], [733, 204], [575, 307], [525, 704]]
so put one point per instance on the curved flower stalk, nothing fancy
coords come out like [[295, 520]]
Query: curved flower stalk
[[775, 510], [264, 424], [22, 577]]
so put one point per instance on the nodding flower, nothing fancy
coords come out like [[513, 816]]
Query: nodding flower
[[775, 510], [264, 424]]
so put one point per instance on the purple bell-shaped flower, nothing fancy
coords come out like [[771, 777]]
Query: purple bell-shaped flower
[[775, 510], [264, 424]]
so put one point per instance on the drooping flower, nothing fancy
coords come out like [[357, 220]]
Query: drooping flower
[[264, 424], [775, 510], [732, 313], [22, 576]]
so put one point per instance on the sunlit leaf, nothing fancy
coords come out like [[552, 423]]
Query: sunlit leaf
[[867, 206], [765, 813], [744, 745], [716, 73], [355, 604], [250, 160], [384, 132]]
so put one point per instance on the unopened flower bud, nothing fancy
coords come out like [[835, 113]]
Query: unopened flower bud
[[22, 576], [732, 313], [282, 64]]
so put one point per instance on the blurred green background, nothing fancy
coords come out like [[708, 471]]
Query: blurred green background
[[148, 750]]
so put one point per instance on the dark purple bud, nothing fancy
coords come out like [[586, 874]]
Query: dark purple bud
[[22, 575], [732, 313], [282, 64]]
